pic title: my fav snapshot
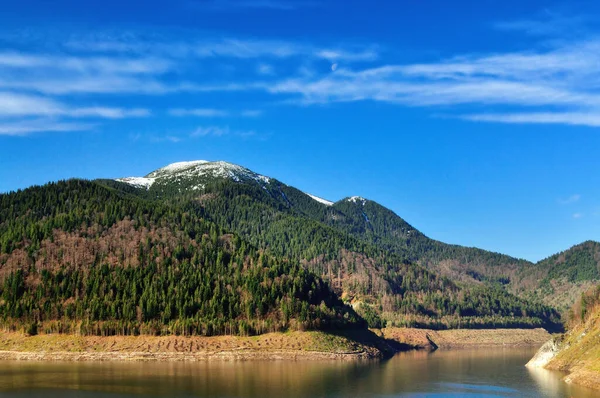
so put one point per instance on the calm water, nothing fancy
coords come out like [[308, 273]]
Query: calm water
[[472, 373]]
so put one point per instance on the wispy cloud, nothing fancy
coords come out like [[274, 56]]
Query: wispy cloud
[[554, 82], [214, 113], [572, 118], [571, 199], [26, 127], [156, 139], [215, 47], [217, 131], [265, 69], [559, 85], [547, 24], [15, 104], [200, 112], [105, 65], [577, 215]]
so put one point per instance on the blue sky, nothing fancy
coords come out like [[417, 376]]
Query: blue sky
[[476, 121]]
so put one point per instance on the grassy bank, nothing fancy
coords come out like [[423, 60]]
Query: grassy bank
[[579, 353]]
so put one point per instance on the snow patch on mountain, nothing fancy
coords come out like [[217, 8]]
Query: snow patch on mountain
[[320, 200], [197, 168], [357, 199], [175, 167], [139, 182]]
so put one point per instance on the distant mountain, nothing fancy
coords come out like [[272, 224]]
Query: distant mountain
[[559, 280]]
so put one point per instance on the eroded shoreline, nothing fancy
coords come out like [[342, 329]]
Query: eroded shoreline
[[273, 346]]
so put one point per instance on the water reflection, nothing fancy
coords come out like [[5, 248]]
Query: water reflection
[[480, 373]]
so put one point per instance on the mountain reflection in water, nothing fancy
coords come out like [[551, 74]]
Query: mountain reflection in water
[[475, 373]]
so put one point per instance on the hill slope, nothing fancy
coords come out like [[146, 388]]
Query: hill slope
[[559, 280]]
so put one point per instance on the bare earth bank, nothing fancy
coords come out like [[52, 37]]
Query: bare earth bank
[[466, 338], [272, 346]]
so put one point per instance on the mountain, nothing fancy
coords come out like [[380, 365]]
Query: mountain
[[218, 185], [358, 217], [211, 247], [365, 251]]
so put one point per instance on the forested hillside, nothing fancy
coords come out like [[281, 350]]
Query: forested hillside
[[559, 280], [77, 256], [379, 283]]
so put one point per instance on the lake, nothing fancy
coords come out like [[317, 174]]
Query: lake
[[482, 372]]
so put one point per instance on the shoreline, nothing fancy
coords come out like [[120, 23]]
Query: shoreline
[[270, 346], [242, 355], [466, 338], [291, 346]]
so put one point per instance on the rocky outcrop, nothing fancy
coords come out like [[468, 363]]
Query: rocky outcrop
[[545, 354]]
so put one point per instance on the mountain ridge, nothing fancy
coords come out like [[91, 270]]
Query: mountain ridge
[[375, 224]]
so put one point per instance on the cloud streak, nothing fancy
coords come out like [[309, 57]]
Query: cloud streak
[[217, 131], [571, 199], [15, 105], [26, 127], [213, 113]]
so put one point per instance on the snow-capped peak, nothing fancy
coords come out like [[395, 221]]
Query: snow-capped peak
[[193, 170], [175, 167], [357, 199], [321, 200]]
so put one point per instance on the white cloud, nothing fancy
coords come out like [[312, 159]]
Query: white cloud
[[560, 85], [572, 118], [165, 138], [265, 69], [571, 199], [547, 24], [102, 65], [557, 84], [210, 131], [200, 112], [156, 48], [214, 113], [577, 215], [216, 131], [26, 127], [15, 104]]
